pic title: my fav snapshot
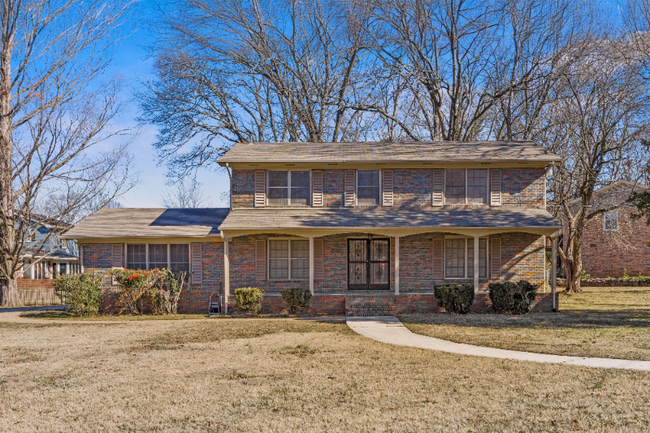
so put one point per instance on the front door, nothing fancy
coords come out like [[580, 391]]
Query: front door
[[368, 264]]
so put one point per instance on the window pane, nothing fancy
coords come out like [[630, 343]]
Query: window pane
[[278, 179], [299, 196], [454, 258], [455, 186], [379, 250], [300, 249], [482, 258], [278, 249], [477, 186], [611, 220], [368, 178], [379, 273], [299, 179], [278, 269], [358, 250], [278, 196], [136, 256], [299, 269], [157, 256], [368, 196], [179, 257], [358, 273]]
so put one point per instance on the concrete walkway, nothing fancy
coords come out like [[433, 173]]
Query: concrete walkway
[[390, 330]]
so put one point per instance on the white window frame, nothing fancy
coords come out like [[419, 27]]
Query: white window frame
[[467, 240], [146, 249], [289, 176], [268, 259], [356, 189], [605, 218], [466, 201]]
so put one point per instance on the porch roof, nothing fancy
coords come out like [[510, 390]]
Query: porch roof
[[399, 221], [115, 223]]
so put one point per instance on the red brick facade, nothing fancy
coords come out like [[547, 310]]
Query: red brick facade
[[615, 253]]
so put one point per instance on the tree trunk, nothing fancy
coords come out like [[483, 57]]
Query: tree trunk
[[573, 270], [9, 293]]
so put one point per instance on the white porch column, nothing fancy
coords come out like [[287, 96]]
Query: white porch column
[[397, 265], [476, 261], [31, 270], [554, 272], [311, 264], [226, 275]]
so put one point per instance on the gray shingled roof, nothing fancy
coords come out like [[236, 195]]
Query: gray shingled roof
[[377, 217], [440, 151], [149, 223]]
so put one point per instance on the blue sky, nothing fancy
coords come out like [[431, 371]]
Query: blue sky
[[132, 64]]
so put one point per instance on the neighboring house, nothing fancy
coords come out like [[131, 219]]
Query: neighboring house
[[45, 258], [369, 228], [613, 244]]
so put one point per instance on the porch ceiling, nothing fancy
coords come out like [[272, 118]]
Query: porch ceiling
[[478, 221]]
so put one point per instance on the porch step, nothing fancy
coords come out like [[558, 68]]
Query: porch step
[[364, 305]]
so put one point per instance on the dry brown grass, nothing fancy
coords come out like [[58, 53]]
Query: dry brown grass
[[608, 322], [282, 375]]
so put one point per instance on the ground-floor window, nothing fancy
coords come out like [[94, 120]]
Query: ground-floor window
[[150, 256], [459, 257], [288, 259]]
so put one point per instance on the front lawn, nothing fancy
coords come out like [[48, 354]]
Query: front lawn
[[277, 375], [607, 322]]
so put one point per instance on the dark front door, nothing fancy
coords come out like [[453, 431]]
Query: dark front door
[[368, 264]]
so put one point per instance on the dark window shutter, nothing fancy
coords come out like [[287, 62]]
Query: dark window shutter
[[317, 188], [350, 188], [197, 263], [387, 188], [318, 259], [438, 196], [495, 258], [260, 188], [438, 258], [118, 256], [260, 260], [495, 187]]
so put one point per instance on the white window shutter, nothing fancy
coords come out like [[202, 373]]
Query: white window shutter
[[387, 187], [197, 263], [350, 188], [438, 196], [317, 188], [118, 256], [495, 187], [260, 188], [260, 260], [495, 258], [318, 259], [438, 258]]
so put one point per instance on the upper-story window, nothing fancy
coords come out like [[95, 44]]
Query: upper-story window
[[288, 188], [610, 221], [368, 187], [466, 186]]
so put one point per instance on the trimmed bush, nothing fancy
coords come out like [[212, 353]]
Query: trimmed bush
[[249, 299], [166, 291], [455, 298], [298, 300], [82, 292], [134, 284], [511, 297]]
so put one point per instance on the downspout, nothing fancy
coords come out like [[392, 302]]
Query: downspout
[[230, 178]]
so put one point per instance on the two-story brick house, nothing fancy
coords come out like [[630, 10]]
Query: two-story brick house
[[367, 227]]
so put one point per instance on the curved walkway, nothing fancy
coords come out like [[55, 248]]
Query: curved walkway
[[390, 330]]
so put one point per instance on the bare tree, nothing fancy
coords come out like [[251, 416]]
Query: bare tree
[[186, 195], [55, 114]]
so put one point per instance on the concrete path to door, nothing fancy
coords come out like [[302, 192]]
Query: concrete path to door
[[388, 329]]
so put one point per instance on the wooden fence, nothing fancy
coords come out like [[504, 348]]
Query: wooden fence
[[37, 292]]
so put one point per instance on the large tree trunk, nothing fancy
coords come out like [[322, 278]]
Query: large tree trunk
[[9, 293], [572, 254]]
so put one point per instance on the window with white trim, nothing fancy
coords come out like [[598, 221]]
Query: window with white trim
[[610, 221], [288, 259], [368, 187], [459, 257], [466, 186], [171, 256], [289, 188]]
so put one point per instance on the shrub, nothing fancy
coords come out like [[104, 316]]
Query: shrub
[[133, 285], [511, 297], [249, 299], [455, 298], [80, 291], [166, 291], [298, 300]]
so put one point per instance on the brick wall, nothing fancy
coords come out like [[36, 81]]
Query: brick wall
[[97, 255], [521, 187], [613, 253], [35, 284]]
